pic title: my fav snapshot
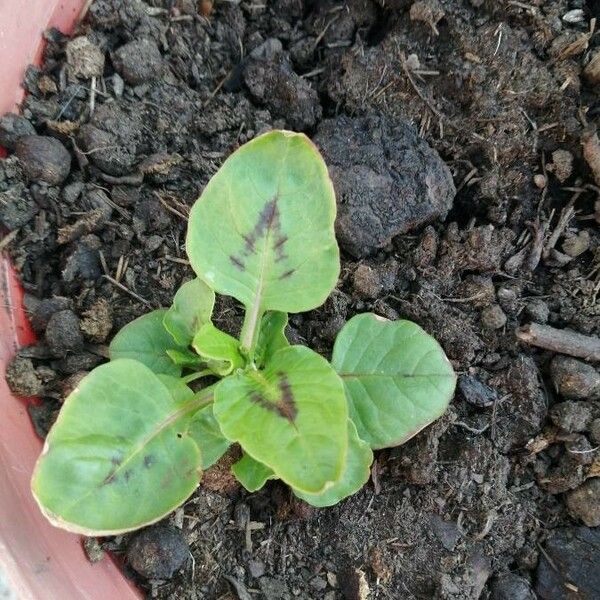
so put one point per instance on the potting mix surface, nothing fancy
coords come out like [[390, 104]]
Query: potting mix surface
[[460, 139]]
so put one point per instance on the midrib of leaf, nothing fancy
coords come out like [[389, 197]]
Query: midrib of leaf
[[394, 376], [250, 328], [254, 315], [199, 401]]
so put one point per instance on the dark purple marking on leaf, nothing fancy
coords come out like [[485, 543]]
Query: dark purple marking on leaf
[[236, 262], [268, 221], [127, 475], [249, 241], [285, 406], [110, 478], [287, 274], [278, 247], [149, 460], [269, 218], [280, 242], [116, 461]]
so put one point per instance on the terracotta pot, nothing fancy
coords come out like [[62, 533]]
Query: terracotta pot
[[41, 562]]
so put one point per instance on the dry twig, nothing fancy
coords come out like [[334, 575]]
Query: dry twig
[[128, 291], [563, 341]]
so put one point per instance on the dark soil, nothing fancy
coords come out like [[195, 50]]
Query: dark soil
[[476, 505]]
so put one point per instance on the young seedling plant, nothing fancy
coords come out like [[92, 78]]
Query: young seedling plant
[[133, 438]]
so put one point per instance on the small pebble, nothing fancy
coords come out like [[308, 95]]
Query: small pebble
[[318, 583], [63, 333], [506, 295], [118, 85], [595, 431], [205, 7], [570, 561], [577, 244], [475, 392], [84, 58], [540, 181], [82, 361], [93, 549], [493, 317], [97, 322], [537, 310], [427, 11], [447, 532], [576, 15], [43, 158], [571, 416], [268, 49], [22, 378], [139, 61], [157, 551], [562, 164], [12, 128], [367, 282], [575, 379], [256, 568], [43, 416], [42, 311], [511, 586], [584, 502]]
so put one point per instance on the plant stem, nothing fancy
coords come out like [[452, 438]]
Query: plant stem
[[250, 329], [198, 375], [203, 398]]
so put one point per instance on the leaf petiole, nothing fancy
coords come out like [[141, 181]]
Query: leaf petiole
[[198, 375], [249, 334]]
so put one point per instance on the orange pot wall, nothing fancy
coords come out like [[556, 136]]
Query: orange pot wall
[[22, 23], [41, 562]]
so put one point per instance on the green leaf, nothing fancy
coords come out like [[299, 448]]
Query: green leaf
[[202, 427], [192, 307], [205, 431], [218, 348], [252, 474], [290, 417], [179, 390], [397, 378], [271, 336], [146, 340], [185, 358], [356, 473], [262, 230], [119, 456]]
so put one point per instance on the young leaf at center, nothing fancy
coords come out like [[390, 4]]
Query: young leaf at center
[[219, 349], [397, 378], [298, 413], [192, 307], [271, 336], [146, 340]]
